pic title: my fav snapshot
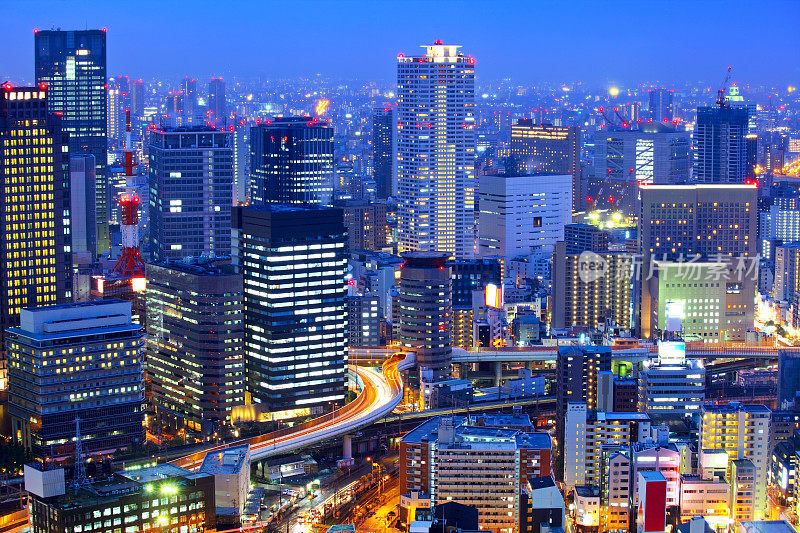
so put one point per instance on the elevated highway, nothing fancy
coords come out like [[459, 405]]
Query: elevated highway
[[380, 394]]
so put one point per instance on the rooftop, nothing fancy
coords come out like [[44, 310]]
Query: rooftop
[[227, 461], [497, 432], [154, 473], [200, 266], [766, 526], [735, 407]]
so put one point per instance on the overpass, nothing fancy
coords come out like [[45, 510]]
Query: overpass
[[380, 394]]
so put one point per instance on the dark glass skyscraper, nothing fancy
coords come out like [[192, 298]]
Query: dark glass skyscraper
[[291, 162], [721, 145], [382, 157], [72, 64], [35, 244], [295, 328], [661, 104], [216, 101], [194, 335], [191, 193]]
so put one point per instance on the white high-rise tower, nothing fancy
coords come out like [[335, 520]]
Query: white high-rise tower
[[436, 151]]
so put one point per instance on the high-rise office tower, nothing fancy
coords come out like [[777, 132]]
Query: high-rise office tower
[[295, 326], [216, 101], [366, 224], [137, 98], [436, 151], [742, 431], [35, 246], [84, 230], [548, 149], [787, 272], [661, 109], [76, 361], [72, 64], [522, 216], [363, 320], [114, 105], [191, 192], [721, 144], [291, 162], [382, 150], [195, 341], [189, 89], [241, 162], [591, 288], [653, 153], [714, 227], [426, 310]]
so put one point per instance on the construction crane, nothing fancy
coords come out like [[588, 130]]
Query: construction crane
[[721, 92]]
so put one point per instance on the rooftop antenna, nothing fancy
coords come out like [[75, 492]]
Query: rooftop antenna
[[80, 481]]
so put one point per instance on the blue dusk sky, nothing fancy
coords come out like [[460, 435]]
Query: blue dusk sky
[[530, 42]]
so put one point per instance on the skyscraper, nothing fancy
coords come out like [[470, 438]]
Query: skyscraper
[[426, 310], [721, 144], [191, 192], [189, 89], [382, 150], [76, 361], [241, 162], [548, 149], [35, 246], [216, 101], [84, 230], [72, 64], [195, 335], [661, 109], [291, 162], [713, 227], [522, 216], [295, 327], [652, 153], [436, 151], [137, 98]]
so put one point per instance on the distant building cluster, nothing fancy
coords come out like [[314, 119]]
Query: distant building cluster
[[595, 298]]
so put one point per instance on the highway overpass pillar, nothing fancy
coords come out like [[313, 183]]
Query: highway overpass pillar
[[347, 447], [498, 373]]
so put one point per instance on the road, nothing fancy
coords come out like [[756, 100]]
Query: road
[[380, 394]]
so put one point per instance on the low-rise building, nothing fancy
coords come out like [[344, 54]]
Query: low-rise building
[[160, 498], [231, 470], [705, 497]]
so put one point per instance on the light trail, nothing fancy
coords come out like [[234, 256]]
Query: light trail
[[380, 395]]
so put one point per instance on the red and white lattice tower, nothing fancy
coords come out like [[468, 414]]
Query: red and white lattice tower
[[130, 263]]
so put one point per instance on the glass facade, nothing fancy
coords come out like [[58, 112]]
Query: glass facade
[[291, 162], [293, 264], [72, 65], [35, 242], [191, 193]]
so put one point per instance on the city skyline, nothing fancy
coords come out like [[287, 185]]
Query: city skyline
[[577, 40]]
